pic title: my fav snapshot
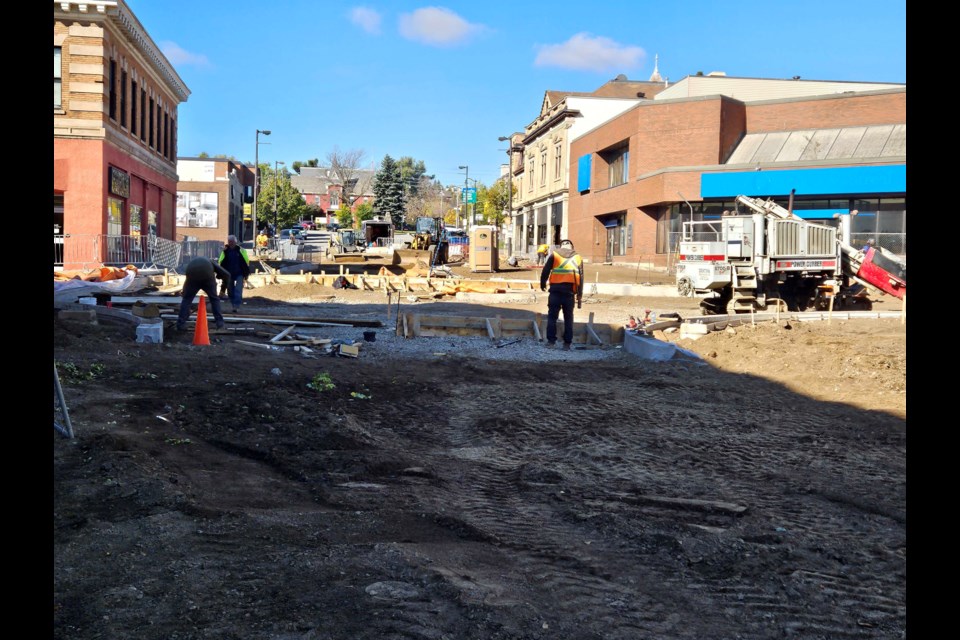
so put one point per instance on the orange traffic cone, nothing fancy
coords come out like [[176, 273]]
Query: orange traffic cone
[[200, 335]]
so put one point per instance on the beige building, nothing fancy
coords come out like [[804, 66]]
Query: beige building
[[211, 194], [540, 158]]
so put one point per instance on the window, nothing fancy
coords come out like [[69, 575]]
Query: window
[[57, 79], [113, 89], [114, 217], [123, 98], [152, 143], [619, 162], [530, 186], [143, 114], [133, 108], [159, 133], [334, 200], [543, 168], [557, 161]]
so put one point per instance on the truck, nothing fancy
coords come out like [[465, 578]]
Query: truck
[[745, 261]]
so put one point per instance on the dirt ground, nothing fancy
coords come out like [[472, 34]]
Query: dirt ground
[[759, 492]]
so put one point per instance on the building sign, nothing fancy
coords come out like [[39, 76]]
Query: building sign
[[197, 209], [119, 183]]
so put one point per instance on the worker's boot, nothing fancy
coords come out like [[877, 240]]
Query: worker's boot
[[566, 346]]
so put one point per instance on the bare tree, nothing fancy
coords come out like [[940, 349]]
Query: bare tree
[[345, 165]]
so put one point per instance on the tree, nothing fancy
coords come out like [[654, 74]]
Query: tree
[[291, 207], [345, 218], [492, 202], [411, 173], [363, 211], [203, 154], [345, 165], [388, 195], [309, 163]]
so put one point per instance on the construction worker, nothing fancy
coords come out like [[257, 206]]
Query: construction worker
[[201, 275], [542, 252], [262, 241], [564, 270], [235, 260]]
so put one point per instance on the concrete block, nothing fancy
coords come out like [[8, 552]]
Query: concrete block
[[81, 315], [652, 349]]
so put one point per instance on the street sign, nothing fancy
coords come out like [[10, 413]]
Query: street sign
[[469, 195]]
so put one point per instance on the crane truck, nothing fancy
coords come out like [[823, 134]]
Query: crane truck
[[745, 260]]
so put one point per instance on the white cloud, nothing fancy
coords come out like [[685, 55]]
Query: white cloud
[[587, 53], [179, 56], [365, 18], [437, 26]]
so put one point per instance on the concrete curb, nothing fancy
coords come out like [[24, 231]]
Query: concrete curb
[[656, 350]]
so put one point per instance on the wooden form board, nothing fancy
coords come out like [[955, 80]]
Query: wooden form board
[[388, 282], [416, 325]]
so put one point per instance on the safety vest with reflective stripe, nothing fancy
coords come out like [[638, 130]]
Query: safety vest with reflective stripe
[[566, 270]]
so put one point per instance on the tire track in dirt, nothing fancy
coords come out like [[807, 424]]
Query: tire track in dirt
[[562, 557], [729, 462]]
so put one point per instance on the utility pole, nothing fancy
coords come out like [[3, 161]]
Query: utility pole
[[256, 180], [466, 199], [276, 187]]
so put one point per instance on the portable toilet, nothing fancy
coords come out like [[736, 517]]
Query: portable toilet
[[484, 255]]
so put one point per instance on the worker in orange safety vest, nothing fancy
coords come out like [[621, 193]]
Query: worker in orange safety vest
[[564, 270]]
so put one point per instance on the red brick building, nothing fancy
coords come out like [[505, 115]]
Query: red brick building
[[635, 177], [115, 131]]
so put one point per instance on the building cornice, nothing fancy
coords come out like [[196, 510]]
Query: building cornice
[[119, 15], [549, 123]]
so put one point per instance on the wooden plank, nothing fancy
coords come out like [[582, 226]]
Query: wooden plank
[[416, 325], [406, 332]]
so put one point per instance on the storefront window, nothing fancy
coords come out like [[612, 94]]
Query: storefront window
[[135, 220], [114, 217]]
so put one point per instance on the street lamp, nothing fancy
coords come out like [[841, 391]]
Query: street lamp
[[276, 187], [509, 172], [256, 178], [466, 205]]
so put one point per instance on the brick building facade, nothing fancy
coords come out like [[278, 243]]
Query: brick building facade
[[633, 176], [115, 127]]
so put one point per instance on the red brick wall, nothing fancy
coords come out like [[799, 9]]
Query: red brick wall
[[690, 133], [822, 113]]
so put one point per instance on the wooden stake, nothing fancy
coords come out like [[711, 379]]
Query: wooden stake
[[830, 308], [903, 310]]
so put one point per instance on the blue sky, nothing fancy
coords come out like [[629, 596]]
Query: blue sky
[[441, 82]]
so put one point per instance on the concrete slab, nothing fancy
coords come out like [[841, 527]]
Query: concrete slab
[[519, 297], [652, 349]]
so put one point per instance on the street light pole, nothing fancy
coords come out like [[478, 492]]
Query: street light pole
[[466, 198], [256, 178], [276, 187], [509, 173]]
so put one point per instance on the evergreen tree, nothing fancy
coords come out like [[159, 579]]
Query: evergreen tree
[[388, 196]]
